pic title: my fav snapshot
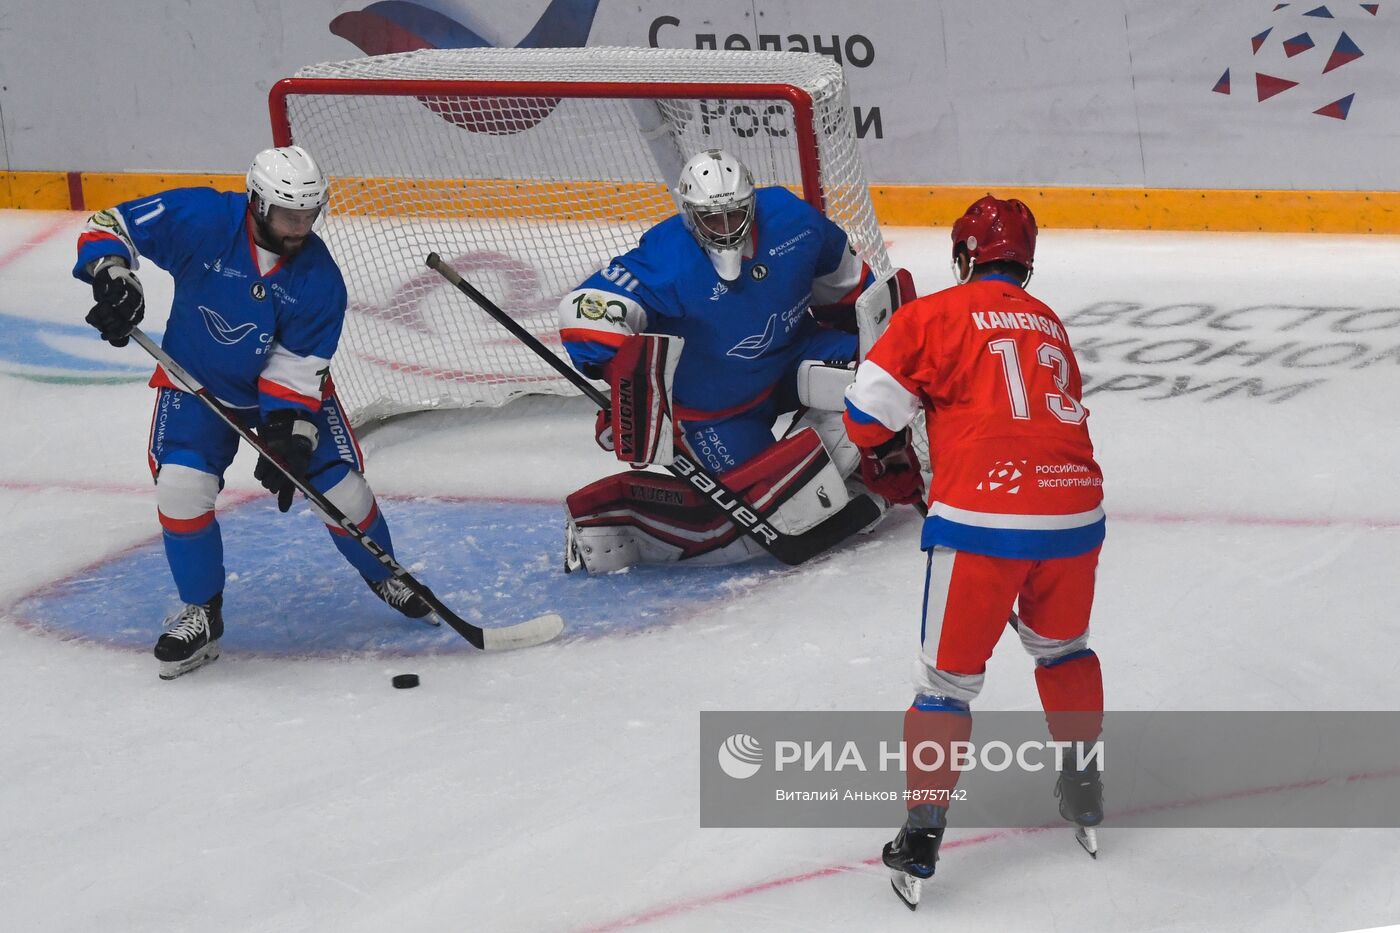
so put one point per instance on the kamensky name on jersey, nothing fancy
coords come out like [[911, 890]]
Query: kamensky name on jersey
[[1007, 320]]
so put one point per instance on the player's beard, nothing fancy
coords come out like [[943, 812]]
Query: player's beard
[[289, 246], [284, 246]]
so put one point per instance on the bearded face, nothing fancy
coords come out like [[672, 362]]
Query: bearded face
[[283, 230]]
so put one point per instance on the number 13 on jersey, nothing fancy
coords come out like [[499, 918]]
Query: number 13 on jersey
[[1062, 404]]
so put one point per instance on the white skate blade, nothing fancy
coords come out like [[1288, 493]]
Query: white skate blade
[[535, 631], [907, 887], [169, 670], [431, 619], [1089, 839]]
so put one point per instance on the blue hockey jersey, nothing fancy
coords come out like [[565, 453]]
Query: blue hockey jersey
[[256, 337], [741, 337]]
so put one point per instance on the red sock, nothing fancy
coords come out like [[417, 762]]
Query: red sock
[[1071, 691], [940, 728]]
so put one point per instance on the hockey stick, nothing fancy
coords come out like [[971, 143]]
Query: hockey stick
[[790, 549], [521, 635]]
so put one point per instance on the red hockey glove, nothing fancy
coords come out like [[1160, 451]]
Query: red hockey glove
[[602, 429], [892, 470]]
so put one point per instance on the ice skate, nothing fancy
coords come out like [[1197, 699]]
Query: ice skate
[[397, 594], [191, 638], [1081, 802], [912, 855]]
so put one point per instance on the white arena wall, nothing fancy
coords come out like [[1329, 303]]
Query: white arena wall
[[1091, 95]]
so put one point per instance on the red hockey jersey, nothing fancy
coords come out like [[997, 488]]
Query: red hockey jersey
[[1013, 467]]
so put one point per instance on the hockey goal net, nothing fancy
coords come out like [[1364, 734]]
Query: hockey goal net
[[528, 169]]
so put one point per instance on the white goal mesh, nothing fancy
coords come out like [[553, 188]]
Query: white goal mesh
[[527, 169]]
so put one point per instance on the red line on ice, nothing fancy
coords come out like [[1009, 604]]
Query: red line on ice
[[686, 906], [680, 907], [45, 234]]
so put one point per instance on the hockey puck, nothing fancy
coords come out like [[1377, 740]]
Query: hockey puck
[[404, 681]]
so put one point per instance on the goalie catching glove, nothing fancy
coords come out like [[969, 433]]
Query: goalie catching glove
[[892, 470], [290, 436], [639, 427]]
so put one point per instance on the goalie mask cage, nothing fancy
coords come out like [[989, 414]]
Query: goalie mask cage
[[528, 169]]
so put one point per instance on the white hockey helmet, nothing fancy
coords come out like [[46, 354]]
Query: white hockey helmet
[[287, 177], [716, 198]]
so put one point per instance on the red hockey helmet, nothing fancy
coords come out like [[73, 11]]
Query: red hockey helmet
[[993, 230]]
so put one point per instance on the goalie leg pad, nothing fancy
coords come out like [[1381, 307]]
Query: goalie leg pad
[[844, 454], [632, 518], [793, 484], [642, 419], [647, 518]]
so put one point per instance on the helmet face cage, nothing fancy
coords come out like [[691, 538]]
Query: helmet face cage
[[716, 197], [721, 227], [287, 177]]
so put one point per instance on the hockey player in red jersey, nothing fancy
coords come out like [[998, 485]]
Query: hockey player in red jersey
[[1014, 520]]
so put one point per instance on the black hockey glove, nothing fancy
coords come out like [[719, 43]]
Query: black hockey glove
[[290, 436], [121, 304]]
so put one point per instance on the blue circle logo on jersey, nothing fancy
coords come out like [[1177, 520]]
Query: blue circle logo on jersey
[[258, 291], [759, 272]]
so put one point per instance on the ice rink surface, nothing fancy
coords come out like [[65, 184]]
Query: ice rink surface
[[1243, 395]]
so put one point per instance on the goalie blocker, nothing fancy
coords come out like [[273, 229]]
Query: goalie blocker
[[639, 422]]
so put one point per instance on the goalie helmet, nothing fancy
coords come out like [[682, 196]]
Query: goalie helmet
[[716, 198], [287, 177], [993, 230]]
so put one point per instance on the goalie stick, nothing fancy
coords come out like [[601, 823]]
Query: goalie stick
[[520, 635], [790, 549]]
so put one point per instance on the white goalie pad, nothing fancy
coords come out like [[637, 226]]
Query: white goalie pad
[[844, 455], [879, 302], [797, 474], [822, 385]]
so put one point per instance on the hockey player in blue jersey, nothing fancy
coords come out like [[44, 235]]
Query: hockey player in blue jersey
[[257, 313], [705, 332]]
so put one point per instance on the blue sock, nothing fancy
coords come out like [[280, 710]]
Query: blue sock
[[197, 562]]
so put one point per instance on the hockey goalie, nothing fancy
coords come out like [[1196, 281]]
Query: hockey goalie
[[738, 310]]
